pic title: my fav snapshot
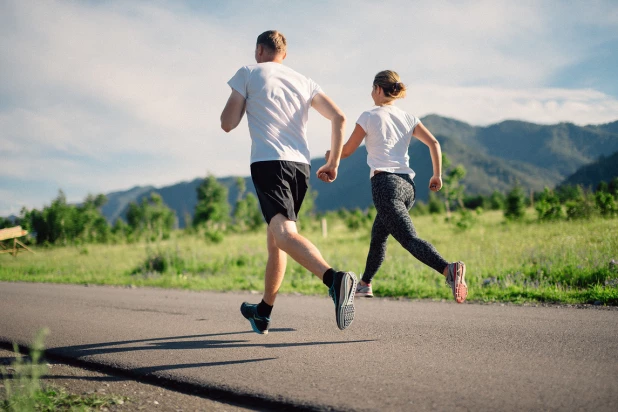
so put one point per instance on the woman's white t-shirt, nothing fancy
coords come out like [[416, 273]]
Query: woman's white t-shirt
[[389, 131], [278, 101]]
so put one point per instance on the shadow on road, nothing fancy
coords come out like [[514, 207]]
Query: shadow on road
[[189, 342]]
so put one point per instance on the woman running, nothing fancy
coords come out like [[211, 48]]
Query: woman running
[[387, 131]]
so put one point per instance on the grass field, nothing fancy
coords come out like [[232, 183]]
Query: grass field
[[565, 262]]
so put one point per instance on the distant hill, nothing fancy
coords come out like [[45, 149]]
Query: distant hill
[[603, 170], [181, 197], [495, 157]]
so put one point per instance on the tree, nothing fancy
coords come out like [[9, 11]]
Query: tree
[[497, 200], [151, 218], [307, 209], [56, 223], [515, 204], [452, 189], [121, 230], [4, 223], [612, 188], [606, 204], [242, 188], [91, 224], [212, 208], [247, 215], [63, 223]]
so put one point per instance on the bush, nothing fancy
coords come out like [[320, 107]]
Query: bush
[[435, 205], [582, 208], [419, 209], [606, 204], [548, 206], [474, 202], [213, 236], [569, 192], [159, 261], [356, 220], [466, 219]]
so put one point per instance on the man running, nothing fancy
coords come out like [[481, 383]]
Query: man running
[[277, 101]]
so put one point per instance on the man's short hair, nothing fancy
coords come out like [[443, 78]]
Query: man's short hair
[[273, 40]]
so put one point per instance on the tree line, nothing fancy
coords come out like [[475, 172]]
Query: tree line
[[150, 219]]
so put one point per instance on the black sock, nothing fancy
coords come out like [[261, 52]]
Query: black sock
[[264, 309], [329, 277]]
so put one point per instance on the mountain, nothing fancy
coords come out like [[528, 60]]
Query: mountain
[[181, 197], [561, 148], [603, 170], [495, 157]]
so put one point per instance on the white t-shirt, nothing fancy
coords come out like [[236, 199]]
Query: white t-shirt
[[278, 101], [389, 131]]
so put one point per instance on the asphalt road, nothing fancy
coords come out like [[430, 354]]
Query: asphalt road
[[396, 356]]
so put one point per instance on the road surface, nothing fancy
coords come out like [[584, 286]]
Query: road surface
[[397, 355]]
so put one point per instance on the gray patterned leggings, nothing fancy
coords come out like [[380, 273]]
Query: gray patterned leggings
[[393, 196]]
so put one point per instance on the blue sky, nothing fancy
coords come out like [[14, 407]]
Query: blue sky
[[97, 97]]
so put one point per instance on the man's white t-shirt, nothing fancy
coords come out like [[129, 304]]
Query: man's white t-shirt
[[278, 101], [389, 131]]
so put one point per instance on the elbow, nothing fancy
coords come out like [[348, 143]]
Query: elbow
[[434, 144], [227, 126], [340, 118]]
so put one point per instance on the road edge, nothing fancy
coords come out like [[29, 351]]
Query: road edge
[[218, 393]]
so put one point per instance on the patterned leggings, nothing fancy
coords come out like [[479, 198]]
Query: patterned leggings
[[393, 196]]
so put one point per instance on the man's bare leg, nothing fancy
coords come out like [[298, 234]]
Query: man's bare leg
[[288, 239], [283, 238], [275, 269]]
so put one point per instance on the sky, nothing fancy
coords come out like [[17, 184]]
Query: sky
[[102, 96]]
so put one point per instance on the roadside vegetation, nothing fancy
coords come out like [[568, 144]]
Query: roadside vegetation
[[22, 390], [557, 246]]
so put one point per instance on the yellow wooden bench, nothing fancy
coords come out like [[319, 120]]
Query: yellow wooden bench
[[12, 234]]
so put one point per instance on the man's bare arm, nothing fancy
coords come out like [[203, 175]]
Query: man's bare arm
[[327, 108], [233, 112]]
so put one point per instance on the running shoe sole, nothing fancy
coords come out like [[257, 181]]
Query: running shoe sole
[[344, 306], [460, 289], [255, 328], [363, 294]]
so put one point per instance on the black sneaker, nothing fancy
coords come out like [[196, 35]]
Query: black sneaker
[[342, 291], [258, 323]]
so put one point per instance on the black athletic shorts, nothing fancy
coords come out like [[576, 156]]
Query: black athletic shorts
[[280, 186]]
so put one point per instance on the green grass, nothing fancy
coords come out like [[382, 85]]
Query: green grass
[[566, 261], [24, 392]]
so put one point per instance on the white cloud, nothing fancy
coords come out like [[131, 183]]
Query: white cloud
[[486, 105], [115, 94]]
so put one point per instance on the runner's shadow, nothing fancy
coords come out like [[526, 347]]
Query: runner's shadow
[[205, 335], [150, 370], [188, 342], [207, 344]]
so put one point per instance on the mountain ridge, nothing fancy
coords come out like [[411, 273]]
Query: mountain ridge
[[495, 156]]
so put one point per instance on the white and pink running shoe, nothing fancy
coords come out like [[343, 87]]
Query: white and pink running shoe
[[456, 279], [363, 291]]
